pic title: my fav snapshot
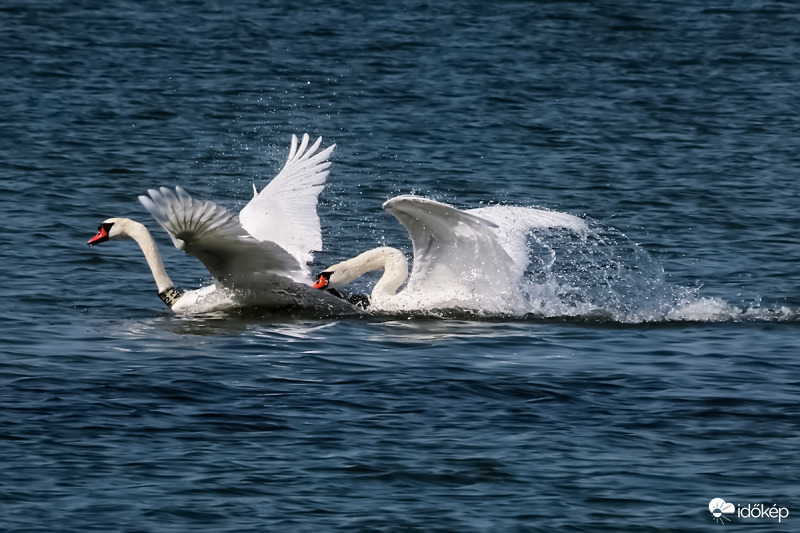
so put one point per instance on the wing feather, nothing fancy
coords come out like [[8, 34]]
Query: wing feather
[[451, 247], [285, 211], [212, 234], [515, 223], [480, 251]]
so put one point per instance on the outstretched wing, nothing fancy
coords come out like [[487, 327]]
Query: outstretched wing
[[514, 225], [452, 248], [285, 211], [210, 233]]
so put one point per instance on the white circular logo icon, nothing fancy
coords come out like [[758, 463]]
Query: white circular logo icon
[[720, 507]]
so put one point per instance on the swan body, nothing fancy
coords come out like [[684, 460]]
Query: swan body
[[259, 257], [470, 259]]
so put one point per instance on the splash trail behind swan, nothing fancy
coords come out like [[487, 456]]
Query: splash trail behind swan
[[564, 266]]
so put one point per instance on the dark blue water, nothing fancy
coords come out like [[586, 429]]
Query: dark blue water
[[670, 125]]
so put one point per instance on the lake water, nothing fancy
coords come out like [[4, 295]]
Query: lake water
[[656, 371]]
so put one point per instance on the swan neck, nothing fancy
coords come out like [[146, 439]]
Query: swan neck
[[395, 273], [166, 289], [392, 261]]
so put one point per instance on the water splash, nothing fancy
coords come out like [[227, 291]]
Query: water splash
[[588, 272], [600, 274]]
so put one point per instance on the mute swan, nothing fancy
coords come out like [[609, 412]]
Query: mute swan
[[258, 258], [469, 259]]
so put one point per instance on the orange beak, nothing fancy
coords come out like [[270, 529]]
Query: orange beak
[[102, 236], [322, 280]]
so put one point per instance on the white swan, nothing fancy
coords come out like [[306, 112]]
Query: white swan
[[469, 259], [258, 258]]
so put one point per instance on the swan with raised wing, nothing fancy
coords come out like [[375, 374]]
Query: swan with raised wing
[[259, 257], [463, 259]]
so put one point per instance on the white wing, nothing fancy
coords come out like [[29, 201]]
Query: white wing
[[514, 224], [285, 211], [453, 249], [528, 218], [215, 237], [475, 253]]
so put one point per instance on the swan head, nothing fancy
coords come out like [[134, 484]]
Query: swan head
[[112, 228], [323, 280]]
